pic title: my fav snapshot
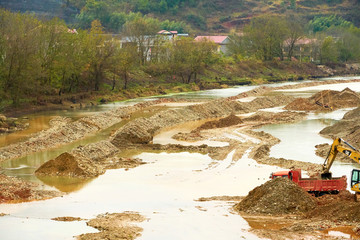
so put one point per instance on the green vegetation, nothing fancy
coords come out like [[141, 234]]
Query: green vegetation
[[46, 59]]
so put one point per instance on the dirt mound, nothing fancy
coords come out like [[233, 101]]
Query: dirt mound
[[114, 226], [326, 99], [221, 123], [84, 161], [143, 129], [303, 104], [340, 207], [67, 165], [14, 189], [277, 196], [271, 117], [347, 128]]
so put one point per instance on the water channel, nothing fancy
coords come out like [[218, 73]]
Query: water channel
[[163, 190]]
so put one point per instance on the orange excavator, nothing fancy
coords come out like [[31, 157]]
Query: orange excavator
[[325, 183]]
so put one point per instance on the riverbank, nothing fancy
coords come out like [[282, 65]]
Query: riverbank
[[223, 129], [245, 73]]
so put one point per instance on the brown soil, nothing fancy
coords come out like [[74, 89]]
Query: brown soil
[[15, 190], [277, 196], [326, 100], [86, 161], [221, 123], [221, 198], [64, 130], [115, 226], [142, 130], [348, 129], [67, 219]]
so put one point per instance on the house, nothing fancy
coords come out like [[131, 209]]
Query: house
[[221, 41], [303, 49]]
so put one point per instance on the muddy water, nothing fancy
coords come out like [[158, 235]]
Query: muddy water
[[298, 140], [162, 190], [149, 189]]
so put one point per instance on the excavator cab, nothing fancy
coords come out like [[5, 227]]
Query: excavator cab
[[355, 180]]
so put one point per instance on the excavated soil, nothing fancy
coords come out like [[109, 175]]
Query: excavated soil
[[64, 130], [15, 190], [221, 123], [114, 226], [348, 128], [326, 100], [277, 196], [142, 130], [86, 161]]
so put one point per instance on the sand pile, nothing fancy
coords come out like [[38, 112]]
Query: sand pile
[[142, 130], [14, 189], [221, 123], [340, 207], [64, 130], [85, 161], [327, 99], [114, 226], [348, 128], [277, 196]]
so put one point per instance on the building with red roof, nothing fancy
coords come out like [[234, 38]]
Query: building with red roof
[[221, 41]]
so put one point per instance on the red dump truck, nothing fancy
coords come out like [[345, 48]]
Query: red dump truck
[[315, 186]]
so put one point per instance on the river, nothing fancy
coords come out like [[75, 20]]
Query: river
[[163, 190]]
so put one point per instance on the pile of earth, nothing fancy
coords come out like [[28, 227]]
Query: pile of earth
[[338, 208], [86, 161], [221, 123], [142, 130], [14, 189], [114, 226], [326, 99], [261, 117], [348, 128], [64, 130], [277, 196]]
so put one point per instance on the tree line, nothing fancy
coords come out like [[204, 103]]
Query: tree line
[[47, 58]]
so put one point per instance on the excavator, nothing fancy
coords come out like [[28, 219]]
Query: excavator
[[326, 184], [352, 153]]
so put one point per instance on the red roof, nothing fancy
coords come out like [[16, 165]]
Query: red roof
[[215, 39]]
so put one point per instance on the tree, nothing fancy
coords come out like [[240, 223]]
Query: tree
[[125, 61], [319, 24], [19, 64], [295, 32], [101, 54], [142, 31], [188, 58], [328, 51], [265, 37]]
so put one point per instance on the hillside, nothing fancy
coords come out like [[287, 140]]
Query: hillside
[[42, 8], [210, 16]]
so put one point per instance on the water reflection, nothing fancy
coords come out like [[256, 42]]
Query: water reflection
[[65, 184]]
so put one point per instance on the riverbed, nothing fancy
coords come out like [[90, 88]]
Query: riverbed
[[166, 188]]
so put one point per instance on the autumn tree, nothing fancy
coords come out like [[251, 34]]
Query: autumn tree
[[142, 32], [101, 54], [188, 58], [265, 37]]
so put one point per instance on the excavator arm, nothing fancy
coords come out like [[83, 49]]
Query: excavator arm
[[336, 147]]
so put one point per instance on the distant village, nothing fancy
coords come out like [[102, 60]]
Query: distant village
[[303, 46]]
